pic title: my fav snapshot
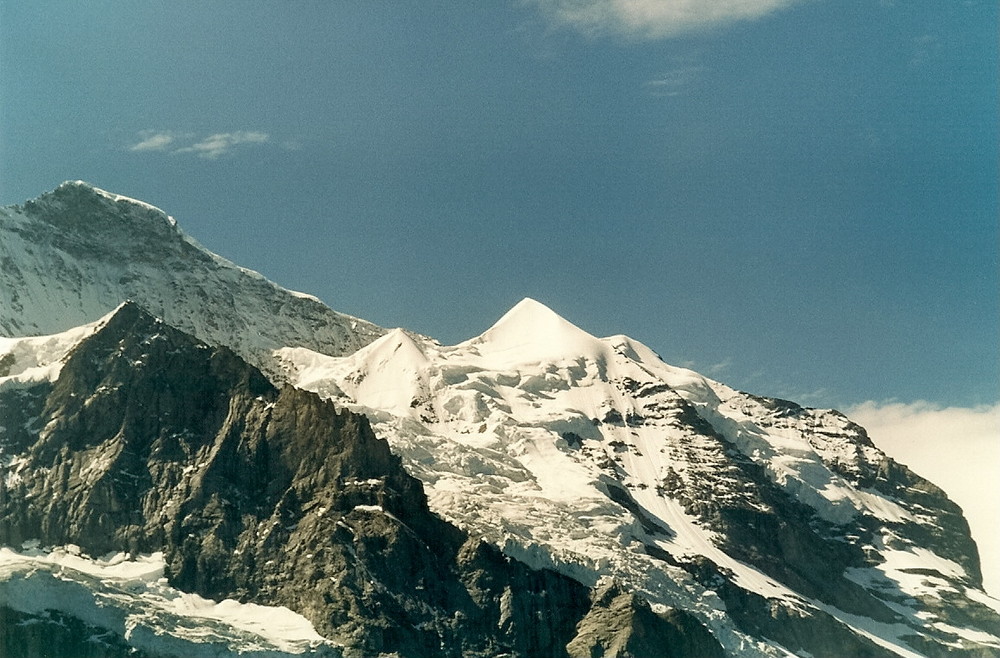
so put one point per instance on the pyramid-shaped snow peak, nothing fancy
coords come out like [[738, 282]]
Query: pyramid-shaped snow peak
[[80, 207], [531, 331], [388, 373], [75, 253]]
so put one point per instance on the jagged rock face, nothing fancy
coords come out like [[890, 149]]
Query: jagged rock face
[[622, 625], [54, 635], [149, 440], [74, 254]]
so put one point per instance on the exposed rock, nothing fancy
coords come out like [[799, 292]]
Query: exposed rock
[[74, 254], [622, 625], [54, 634]]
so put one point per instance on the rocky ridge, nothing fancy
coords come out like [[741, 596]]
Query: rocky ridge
[[73, 254]]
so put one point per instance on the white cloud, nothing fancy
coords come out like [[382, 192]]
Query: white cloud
[[716, 369], [150, 140], [653, 19], [220, 144], [210, 147], [957, 449]]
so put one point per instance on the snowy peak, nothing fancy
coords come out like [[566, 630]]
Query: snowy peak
[[389, 373], [98, 210], [531, 321], [531, 331], [24, 361], [85, 187], [75, 253]]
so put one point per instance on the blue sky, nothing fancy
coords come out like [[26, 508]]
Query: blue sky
[[799, 198]]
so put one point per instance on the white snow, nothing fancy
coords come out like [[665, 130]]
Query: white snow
[[53, 281], [983, 598], [530, 332], [123, 199], [40, 358], [305, 295], [913, 570], [130, 596], [887, 636], [516, 433]]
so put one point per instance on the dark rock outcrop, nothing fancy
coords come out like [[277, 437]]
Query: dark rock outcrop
[[54, 634], [622, 625]]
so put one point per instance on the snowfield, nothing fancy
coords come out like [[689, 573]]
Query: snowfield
[[130, 596]]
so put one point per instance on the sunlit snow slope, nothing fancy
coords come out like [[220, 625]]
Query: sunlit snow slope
[[594, 456]]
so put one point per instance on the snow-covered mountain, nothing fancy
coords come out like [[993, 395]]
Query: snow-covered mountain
[[783, 530], [70, 256], [291, 514], [594, 457]]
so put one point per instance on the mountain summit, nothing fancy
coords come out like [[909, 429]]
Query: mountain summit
[[628, 507], [74, 254], [531, 330], [535, 434]]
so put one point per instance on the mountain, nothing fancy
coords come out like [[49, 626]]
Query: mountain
[[148, 440], [534, 490], [73, 254], [535, 434]]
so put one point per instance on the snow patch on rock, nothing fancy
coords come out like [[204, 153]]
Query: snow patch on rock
[[129, 595]]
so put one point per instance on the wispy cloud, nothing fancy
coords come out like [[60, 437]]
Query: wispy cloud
[[653, 19], [675, 82], [210, 147], [151, 140], [716, 369], [220, 144], [958, 449]]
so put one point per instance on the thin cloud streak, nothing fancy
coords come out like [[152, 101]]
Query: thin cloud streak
[[957, 449], [220, 144], [151, 140], [653, 19], [675, 81], [209, 148], [717, 369]]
